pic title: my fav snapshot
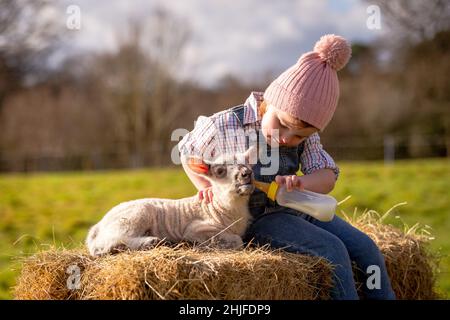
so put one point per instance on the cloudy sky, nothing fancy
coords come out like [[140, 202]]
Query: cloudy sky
[[246, 38]]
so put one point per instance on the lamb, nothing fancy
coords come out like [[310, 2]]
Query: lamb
[[143, 223]]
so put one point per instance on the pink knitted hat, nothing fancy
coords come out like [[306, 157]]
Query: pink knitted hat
[[309, 90]]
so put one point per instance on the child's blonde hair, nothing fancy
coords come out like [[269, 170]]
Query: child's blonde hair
[[262, 108]]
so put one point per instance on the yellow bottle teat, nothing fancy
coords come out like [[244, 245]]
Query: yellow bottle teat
[[269, 188]]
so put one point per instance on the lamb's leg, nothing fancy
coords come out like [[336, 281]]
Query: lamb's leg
[[135, 243], [204, 232], [199, 231], [141, 243], [228, 240]]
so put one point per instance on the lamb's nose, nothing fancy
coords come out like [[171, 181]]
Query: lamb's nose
[[245, 173]]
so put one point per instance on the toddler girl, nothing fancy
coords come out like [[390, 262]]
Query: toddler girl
[[289, 115]]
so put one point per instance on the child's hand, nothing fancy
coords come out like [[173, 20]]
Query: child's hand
[[206, 195], [290, 182]]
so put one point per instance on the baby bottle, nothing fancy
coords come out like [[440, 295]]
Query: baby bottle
[[319, 206]]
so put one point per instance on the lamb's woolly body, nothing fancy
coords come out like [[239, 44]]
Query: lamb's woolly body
[[140, 223]]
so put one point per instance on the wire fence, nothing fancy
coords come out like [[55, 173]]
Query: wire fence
[[389, 149]]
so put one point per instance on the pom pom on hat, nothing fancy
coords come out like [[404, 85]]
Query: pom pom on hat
[[334, 50]]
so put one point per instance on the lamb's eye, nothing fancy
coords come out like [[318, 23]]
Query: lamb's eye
[[220, 172]]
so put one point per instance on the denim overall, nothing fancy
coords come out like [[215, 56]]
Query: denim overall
[[294, 231], [289, 164]]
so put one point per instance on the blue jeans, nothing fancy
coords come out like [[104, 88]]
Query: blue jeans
[[337, 241]]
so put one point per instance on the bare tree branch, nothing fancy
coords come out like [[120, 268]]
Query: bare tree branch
[[415, 20]]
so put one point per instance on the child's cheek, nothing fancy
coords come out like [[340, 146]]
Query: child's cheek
[[265, 132], [264, 127], [268, 130]]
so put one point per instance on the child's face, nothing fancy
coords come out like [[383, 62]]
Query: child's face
[[291, 131]]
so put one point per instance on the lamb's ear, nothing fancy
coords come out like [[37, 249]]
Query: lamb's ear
[[198, 166], [251, 155]]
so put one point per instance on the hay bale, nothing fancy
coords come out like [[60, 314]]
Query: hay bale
[[183, 272], [44, 275], [411, 266], [176, 273]]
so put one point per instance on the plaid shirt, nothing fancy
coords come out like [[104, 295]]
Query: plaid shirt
[[222, 133]]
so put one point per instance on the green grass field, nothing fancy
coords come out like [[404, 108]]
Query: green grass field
[[38, 210]]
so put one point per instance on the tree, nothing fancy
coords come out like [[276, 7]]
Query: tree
[[27, 34], [141, 82], [416, 20]]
